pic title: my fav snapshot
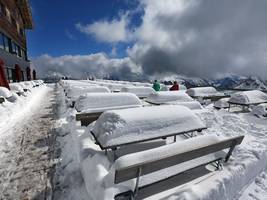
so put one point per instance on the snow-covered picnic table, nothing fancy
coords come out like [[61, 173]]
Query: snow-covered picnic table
[[91, 105], [139, 91], [252, 97], [168, 96], [121, 127], [205, 93]]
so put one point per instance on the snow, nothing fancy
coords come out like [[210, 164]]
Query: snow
[[139, 91], [4, 92], [167, 96], [74, 92], [134, 124], [92, 102], [165, 151], [16, 87], [203, 92], [86, 172], [249, 97], [222, 103], [193, 105], [260, 110]]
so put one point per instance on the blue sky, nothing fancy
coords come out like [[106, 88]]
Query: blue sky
[[54, 30], [133, 38]]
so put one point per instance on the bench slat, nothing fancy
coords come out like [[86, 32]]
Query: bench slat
[[131, 172]]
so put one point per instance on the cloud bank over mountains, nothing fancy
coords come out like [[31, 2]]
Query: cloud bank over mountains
[[202, 38]]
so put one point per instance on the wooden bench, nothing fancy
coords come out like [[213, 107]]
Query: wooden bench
[[2, 99], [203, 154], [87, 118]]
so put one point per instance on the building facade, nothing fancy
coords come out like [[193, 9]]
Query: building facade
[[15, 18]]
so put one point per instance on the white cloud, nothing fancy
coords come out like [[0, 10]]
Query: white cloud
[[107, 31], [203, 38], [81, 66]]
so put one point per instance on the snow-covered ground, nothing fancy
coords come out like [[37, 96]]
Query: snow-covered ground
[[83, 170], [26, 145], [84, 166]]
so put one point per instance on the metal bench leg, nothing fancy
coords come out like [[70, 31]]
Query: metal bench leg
[[230, 150], [137, 182], [174, 138]]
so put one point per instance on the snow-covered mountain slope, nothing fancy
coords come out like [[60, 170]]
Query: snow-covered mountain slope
[[252, 83]]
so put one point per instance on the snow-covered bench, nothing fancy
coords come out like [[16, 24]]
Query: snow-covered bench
[[205, 93], [5, 94], [2, 99], [180, 158], [141, 92], [90, 106], [162, 97], [118, 128], [260, 110], [222, 103], [248, 98], [17, 88]]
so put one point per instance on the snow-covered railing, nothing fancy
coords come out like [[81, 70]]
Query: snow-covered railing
[[121, 127], [171, 160], [140, 91], [91, 105], [168, 96]]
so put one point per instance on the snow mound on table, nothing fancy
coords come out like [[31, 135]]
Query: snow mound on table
[[203, 92], [249, 97], [139, 91], [4, 92], [75, 92], [193, 105], [16, 87], [92, 102], [260, 110], [167, 96], [134, 124], [222, 103]]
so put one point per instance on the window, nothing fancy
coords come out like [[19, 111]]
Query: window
[[11, 75], [19, 51], [2, 46], [7, 44], [22, 76], [14, 48]]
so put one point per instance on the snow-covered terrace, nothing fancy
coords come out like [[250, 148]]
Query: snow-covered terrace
[[248, 160]]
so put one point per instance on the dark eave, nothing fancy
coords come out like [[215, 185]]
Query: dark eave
[[26, 13]]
